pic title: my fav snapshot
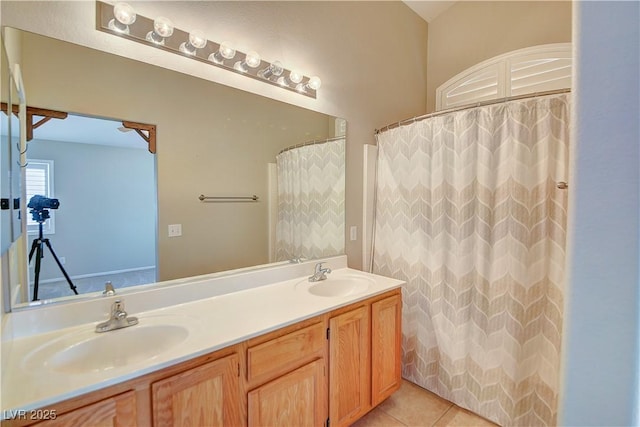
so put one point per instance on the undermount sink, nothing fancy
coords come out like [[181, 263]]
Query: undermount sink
[[87, 351], [341, 286]]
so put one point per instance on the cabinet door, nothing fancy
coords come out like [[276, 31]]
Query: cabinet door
[[117, 411], [207, 395], [386, 348], [295, 399], [349, 369]]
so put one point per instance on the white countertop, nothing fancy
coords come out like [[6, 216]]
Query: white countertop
[[213, 323]]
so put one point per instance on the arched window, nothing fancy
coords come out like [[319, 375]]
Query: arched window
[[530, 70]]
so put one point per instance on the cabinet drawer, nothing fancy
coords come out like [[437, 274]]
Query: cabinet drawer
[[284, 353]]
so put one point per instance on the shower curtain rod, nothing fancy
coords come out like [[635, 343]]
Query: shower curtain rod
[[467, 107], [312, 142]]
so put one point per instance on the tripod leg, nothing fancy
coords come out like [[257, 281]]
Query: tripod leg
[[34, 244], [66, 276], [39, 254]]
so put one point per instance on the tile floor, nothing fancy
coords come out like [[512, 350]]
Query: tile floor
[[415, 406]]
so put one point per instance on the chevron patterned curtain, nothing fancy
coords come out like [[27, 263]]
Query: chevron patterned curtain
[[311, 190], [469, 215]]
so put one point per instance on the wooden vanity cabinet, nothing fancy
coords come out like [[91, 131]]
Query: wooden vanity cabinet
[[206, 390], [386, 347], [116, 411], [332, 368], [349, 366], [206, 395], [364, 357], [294, 399], [286, 376]]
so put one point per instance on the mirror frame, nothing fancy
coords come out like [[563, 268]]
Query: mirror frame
[[12, 269]]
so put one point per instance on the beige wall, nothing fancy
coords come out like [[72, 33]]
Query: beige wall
[[473, 31], [371, 57], [211, 139]]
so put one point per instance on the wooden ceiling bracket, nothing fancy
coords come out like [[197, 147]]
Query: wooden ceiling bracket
[[40, 112], [141, 128], [15, 108], [41, 122], [147, 132], [46, 116]]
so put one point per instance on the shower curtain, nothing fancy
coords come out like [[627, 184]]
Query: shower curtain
[[469, 214], [311, 201]]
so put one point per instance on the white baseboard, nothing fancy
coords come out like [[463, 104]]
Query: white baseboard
[[102, 273]]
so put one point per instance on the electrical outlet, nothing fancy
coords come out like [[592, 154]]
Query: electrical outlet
[[175, 230]]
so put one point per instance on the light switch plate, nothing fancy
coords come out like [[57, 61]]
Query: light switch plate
[[353, 232]]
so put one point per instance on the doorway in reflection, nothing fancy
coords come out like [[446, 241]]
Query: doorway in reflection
[[105, 226]]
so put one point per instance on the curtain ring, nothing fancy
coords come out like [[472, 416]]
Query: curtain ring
[[25, 150], [21, 165]]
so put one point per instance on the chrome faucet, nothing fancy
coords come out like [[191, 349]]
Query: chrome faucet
[[319, 273], [118, 318], [108, 289]]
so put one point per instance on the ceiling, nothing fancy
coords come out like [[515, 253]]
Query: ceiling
[[428, 9]]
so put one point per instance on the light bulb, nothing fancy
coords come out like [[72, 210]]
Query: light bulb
[[251, 60], [274, 69], [224, 52], [124, 15], [197, 40], [314, 83], [295, 76], [162, 28]]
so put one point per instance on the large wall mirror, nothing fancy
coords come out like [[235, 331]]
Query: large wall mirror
[[131, 217]]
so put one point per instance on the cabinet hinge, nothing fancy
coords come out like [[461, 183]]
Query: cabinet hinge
[[328, 332]]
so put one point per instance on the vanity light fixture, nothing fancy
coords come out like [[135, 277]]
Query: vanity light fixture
[[121, 20]]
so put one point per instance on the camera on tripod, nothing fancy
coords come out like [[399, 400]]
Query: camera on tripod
[[39, 205]]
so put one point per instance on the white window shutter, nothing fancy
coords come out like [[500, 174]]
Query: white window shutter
[[520, 72], [39, 180]]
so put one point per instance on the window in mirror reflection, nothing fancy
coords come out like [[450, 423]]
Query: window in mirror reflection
[[39, 181]]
